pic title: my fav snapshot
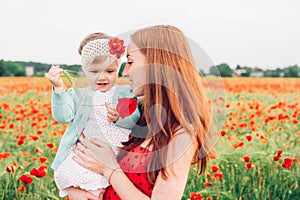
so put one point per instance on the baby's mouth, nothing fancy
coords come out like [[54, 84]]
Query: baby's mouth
[[101, 84]]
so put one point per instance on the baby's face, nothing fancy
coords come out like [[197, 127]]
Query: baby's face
[[101, 78]]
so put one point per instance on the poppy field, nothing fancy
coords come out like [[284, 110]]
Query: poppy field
[[257, 149]]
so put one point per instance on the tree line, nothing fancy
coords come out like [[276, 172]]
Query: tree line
[[225, 70], [17, 68]]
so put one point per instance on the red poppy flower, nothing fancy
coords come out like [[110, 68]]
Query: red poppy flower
[[214, 168], [40, 172], [11, 168], [126, 106], [219, 175], [249, 165], [279, 152], [238, 145], [33, 124], [22, 137], [34, 137], [43, 159], [223, 132], [207, 184], [287, 163], [4, 155], [49, 145], [21, 189], [11, 126], [20, 142], [116, 47], [26, 179], [243, 125], [246, 158], [277, 157], [249, 137], [5, 106], [195, 196]]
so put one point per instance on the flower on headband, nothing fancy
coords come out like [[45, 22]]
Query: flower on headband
[[116, 47]]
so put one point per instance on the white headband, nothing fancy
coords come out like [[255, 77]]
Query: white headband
[[113, 47]]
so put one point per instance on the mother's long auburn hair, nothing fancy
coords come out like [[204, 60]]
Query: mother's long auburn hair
[[173, 83]]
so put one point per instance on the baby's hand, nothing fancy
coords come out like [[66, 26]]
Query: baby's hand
[[54, 76], [112, 114]]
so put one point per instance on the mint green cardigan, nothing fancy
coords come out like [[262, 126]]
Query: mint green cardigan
[[75, 107]]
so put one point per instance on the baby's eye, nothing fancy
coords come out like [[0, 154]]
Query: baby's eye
[[94, 72], [129, 62], [110, 71]]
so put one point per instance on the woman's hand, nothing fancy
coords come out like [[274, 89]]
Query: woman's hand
[[54, 76], [79, 194], [95, 156]]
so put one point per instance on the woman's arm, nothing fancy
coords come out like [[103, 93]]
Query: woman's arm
[[179, 157], [62, 102]]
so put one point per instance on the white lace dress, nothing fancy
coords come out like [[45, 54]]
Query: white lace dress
[[69, 172]]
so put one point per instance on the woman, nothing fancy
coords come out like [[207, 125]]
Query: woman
[[171, 134]]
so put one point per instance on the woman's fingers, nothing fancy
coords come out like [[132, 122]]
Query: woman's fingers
[[80, 194], [98, 143], [80, 147], [80, 153], [85, 142]]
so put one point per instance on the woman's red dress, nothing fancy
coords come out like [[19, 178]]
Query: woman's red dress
[[134, 165]]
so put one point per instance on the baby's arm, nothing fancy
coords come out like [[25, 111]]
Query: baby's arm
[[62, 102]]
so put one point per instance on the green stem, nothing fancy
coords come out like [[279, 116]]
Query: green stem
[[70, 79]]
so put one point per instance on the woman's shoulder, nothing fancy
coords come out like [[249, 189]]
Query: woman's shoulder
[[180, 130]]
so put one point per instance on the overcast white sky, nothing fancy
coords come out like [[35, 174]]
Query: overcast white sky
[[262, 33]]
